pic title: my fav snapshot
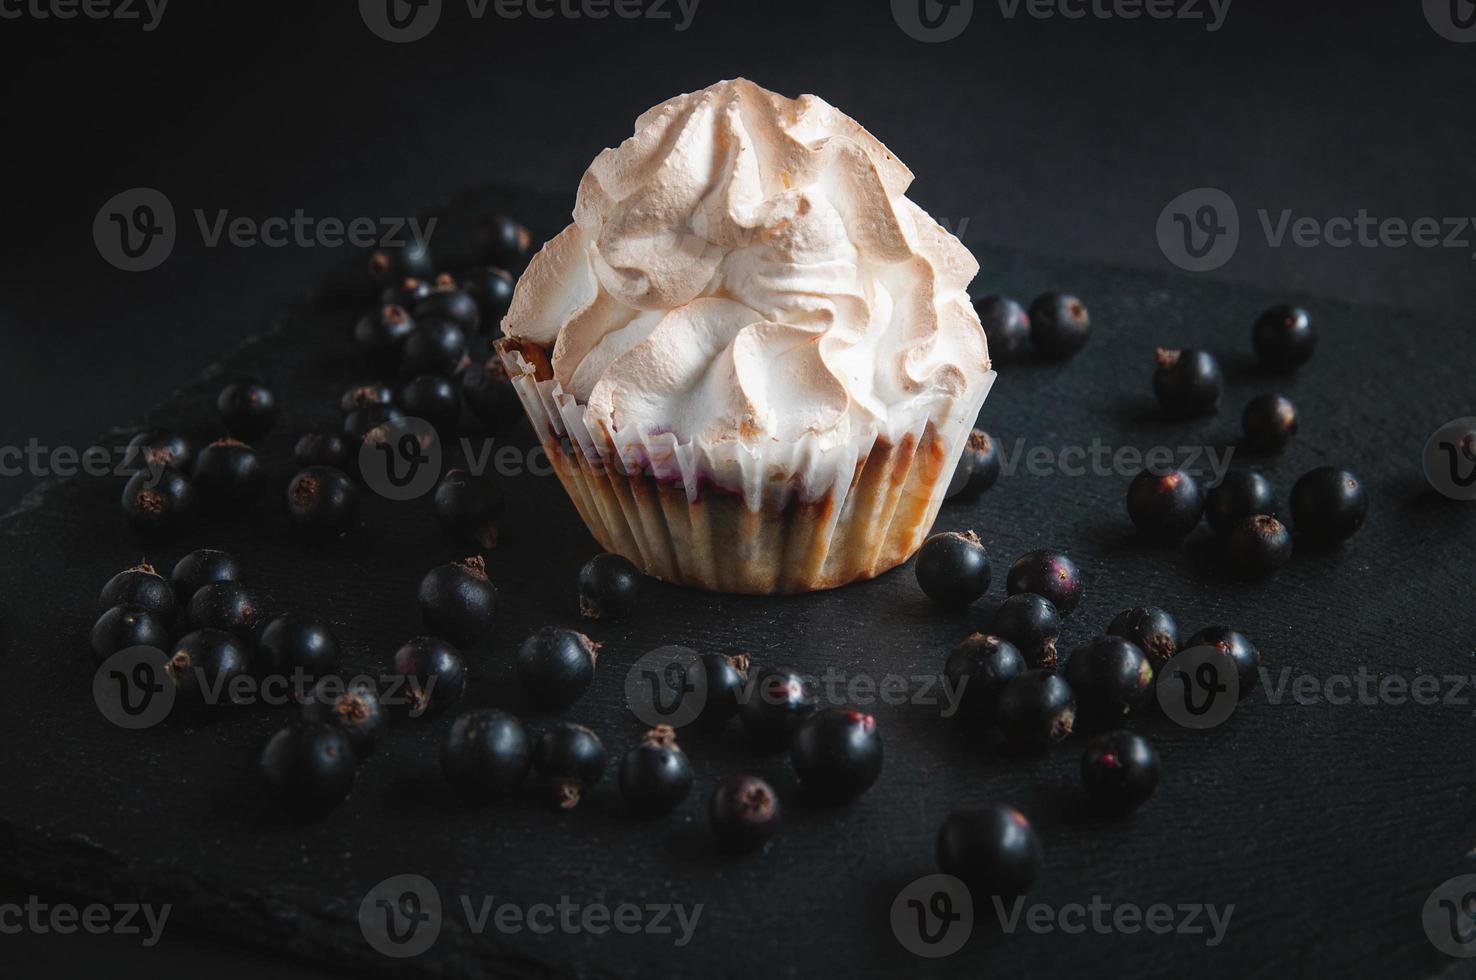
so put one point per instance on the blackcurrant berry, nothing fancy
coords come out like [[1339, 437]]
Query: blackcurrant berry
[[1036, 710], [1329, 505], [407, 292], [434, 398], [293, 643], [365, 395], [1241, 651], [976, 671], [1152, 629], [744, 812], [1006, 327], [426, 676], [655, 775], [204, 665], [1269, 422], [1284, 338], [1109, 677], [449, 301], [382, 334], [837, 754], [1241, 494], [122, 627], [248, 409], [486, 754], [492, 288], [1059, 325], [434, 347], [139, 586], [1032, 624], [201, 567], [779, 700], [458, 602], [1047, 573], [224, 606], [158, 450], [353, 708], [608, 587], [1120, 771], [505, 242], [362, 421], [723, 680], [556, 666], [569, 759], [322, 503], [1165, 506], [229, 476], [993, 850], [489, 393], [390, 263], [1188, 382], [978, 468], [324, 449], [468, 506], [1258, 545], [953, 568], [309, 769], [161, 503]]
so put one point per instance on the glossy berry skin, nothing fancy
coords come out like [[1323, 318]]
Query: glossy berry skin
[[362, 396], [159, 449], [1165, 506], [407, 292], [486, 754], [434, 347], [1188, 382], [556, 666], [323, 449], [779, 700], [426, 676], [457, 601], [1269, 422], [1241, 494], [322, 503], [492, 288], [1110, 677], [569, 759], [1241, 651], [122, 627], [292, 643], [248, 409], [505, 242], [655, 775], [1152, 629], [468, 506], [391, 263], [448, 301], [1258, 546], [723, 680], [976, 671], [229, 476], [993, 850], [160, 505], [1032, 624], [744, 812], [1006, 327], [1047, 573], [1329, 505], [953, 568], [489, 394], [353, 708], [1120, 771], [434, 398], [382, 334], [609, 587], [362, 421], [1036, 710], [1059, 325], [224, 606], [1284, 338], [201, 567], [309, 769], [204, 664], [139, 586], [978, 468], [837, 754]]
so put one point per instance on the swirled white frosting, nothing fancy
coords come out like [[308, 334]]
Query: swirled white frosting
[[747, 267]]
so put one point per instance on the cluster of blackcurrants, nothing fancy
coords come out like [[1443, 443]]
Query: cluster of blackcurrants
[[1057, 325]]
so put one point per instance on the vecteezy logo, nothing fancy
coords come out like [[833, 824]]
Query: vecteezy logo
[[134, 231], [1450, 459], [666, 687], [1199, 688], [133, 688], [401, 459], [1450, 917], [933, 21], [934, 916], [1199, 230], [401, 916], [400, 21], [1454, 20]]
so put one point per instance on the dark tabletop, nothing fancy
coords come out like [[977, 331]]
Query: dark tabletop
[[1059, 142]]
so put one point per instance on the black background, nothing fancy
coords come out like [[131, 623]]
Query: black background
[[1056, 138]]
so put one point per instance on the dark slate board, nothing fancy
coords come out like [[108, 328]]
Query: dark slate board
[[1326, 826]]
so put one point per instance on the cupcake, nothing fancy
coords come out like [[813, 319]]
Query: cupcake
[[751, 359]]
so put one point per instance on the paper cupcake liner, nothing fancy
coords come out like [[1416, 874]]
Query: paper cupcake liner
[[730, 518]]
